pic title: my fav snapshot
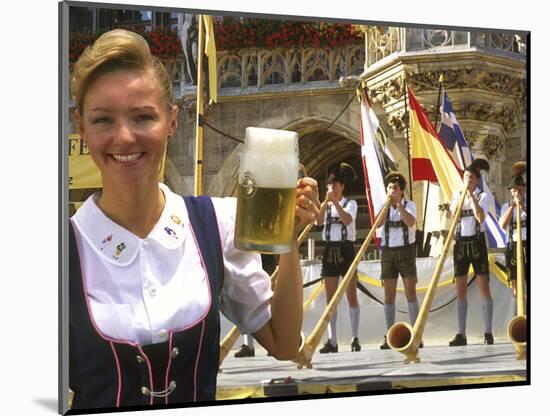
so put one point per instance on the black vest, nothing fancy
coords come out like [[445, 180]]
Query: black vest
[[106, 374]]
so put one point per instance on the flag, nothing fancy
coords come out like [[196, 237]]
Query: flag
[[431, 160], [451, 134], [210, 51], [373, 166]]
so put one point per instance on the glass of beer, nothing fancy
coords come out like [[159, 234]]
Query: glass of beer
[[266, 202]]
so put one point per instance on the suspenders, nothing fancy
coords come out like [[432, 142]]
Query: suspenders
[[335, 220], [468, 213], [513, 225], [395, 224]]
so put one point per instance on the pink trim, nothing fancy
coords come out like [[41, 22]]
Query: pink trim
[[197, 364], [92, 320], [168, 366], [119, 374], [150, 370], [106, 338], [208, 284]]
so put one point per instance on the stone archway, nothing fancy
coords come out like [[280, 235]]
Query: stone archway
[[318, 148]]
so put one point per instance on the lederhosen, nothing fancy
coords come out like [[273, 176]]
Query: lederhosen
[[104, 373], [511, 249], [337, 255], [472, 249], [399, 259]]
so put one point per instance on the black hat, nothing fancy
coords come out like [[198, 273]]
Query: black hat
[[344, 173], [477, 166], [518, 169], [395, 176]]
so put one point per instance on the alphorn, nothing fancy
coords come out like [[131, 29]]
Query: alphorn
[[303, 359], [517, 327], [231, 337], [401, 336]]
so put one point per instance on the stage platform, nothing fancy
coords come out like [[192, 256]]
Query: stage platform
[[371, 369]]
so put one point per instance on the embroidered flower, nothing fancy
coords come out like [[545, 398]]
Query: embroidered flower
[[170, 232], [107, 240], [119, 249]]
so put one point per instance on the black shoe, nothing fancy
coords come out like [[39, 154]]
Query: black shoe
[[458, 341], [355, 345], [245, 351], [329, 348], [489, 340], [385, 345], [421, 344]]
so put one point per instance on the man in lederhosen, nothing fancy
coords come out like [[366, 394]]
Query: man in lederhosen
[[338, 217], [471, 249], [508, 221], [397, 236]]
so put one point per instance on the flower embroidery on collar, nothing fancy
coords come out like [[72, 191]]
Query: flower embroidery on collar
[[176, 219], [106, 240], [170, 232], [119, 249]]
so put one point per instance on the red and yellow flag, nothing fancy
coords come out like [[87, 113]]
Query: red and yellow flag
[[430, 159]]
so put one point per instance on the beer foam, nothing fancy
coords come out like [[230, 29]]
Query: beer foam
[[271, 142], [270, 157]]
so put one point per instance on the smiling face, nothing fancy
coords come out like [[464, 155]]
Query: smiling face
[[125, 124]]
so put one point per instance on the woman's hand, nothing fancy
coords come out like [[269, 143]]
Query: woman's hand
[[307, 202]]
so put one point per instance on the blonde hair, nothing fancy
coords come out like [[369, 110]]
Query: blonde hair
[[115, 50]]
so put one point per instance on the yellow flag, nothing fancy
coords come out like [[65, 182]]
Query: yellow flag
[[210, 51], [430, 159]]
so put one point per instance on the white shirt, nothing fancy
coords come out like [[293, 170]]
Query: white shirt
[[141, 289], [396, 238], [468, 224], [336, 229], [504, 208]]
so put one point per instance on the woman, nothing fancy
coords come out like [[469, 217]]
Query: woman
[[508, 221], [398, 236], [338, 216], [146, 266], [471, 249]]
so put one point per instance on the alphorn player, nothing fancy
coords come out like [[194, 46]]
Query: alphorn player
[[471, 249], [397, 236], [338, 217], [508, 221]]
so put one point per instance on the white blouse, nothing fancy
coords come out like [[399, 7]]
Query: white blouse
[[396, 238], [141, 289], [468, 224], [335, 228]]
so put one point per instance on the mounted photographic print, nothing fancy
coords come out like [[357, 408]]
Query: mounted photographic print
[[259, 208]]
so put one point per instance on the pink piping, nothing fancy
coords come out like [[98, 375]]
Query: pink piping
[[208, 284], [110, 340], [119, 374], [168, 366], [150, 371], [197, 364]]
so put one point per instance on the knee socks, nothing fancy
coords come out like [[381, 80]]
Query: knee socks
[[354, 319], [462, 311]]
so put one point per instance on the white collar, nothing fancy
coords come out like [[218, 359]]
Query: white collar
[[118, 245]]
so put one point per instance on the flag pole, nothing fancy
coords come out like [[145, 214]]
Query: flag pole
[[441, 79], [407, 134], [200, 111]]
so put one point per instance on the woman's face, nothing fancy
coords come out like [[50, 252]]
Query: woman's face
[[125, 124]]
